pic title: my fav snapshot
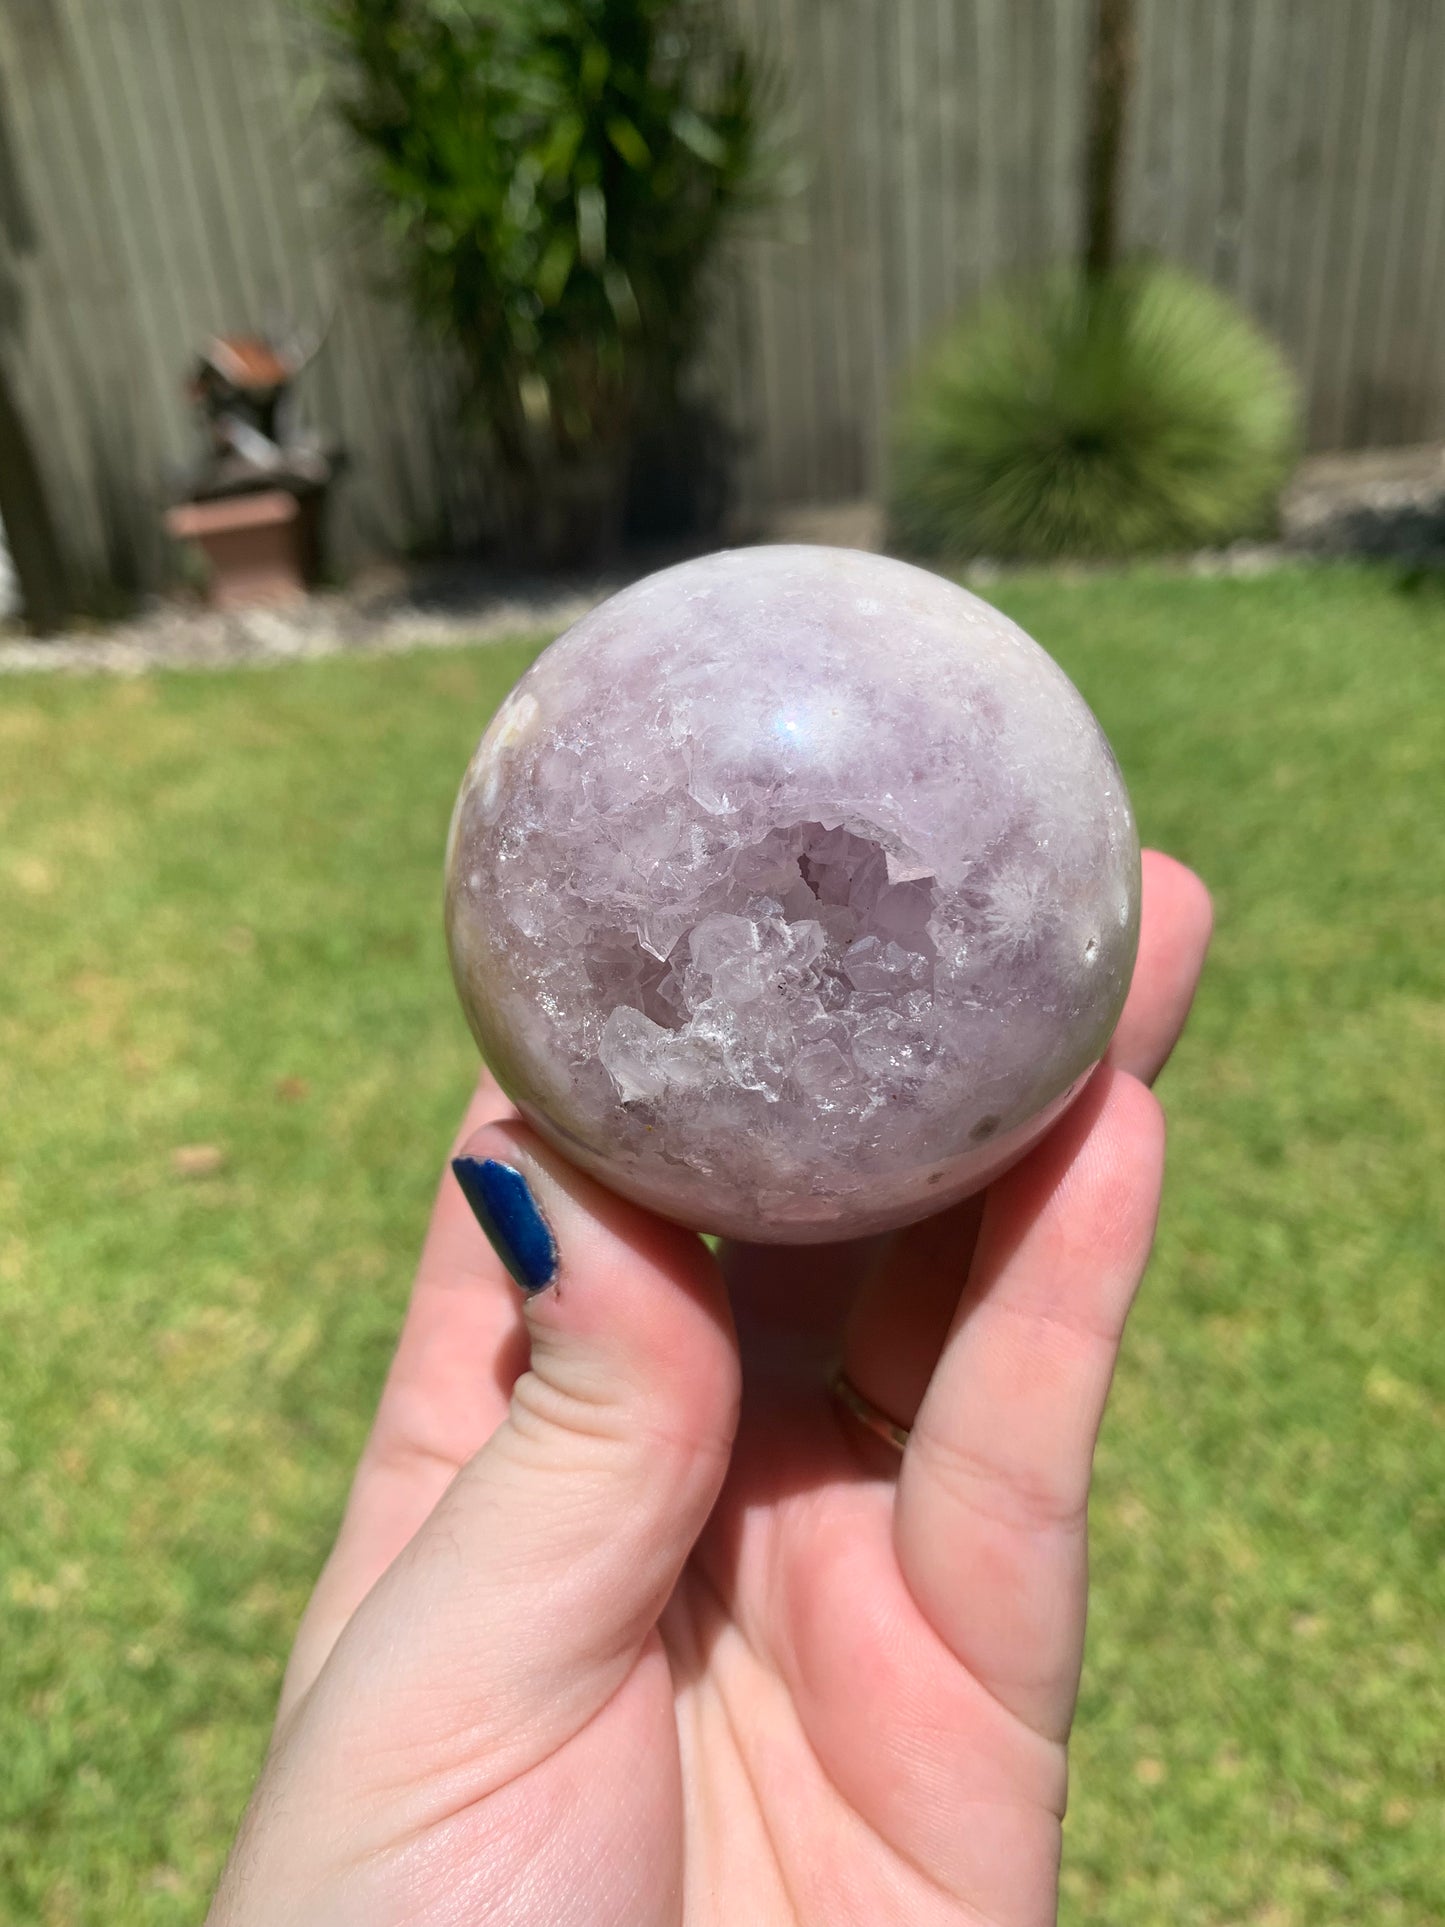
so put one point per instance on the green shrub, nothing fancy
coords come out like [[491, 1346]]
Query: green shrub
[[553, 177], [1067, 417]]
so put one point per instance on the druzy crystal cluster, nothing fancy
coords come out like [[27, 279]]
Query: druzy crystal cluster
[[793, 892]]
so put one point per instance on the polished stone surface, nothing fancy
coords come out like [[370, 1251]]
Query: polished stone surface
[[793, 892]]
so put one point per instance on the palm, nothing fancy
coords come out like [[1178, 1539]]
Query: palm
[[812, 1692], [796, 1744]]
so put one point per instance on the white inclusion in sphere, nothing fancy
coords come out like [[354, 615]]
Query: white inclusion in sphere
[[793, 893]]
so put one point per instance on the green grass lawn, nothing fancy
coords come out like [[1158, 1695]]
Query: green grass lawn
[[219, 927]]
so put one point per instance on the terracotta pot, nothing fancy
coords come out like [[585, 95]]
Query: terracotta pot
[[260, 548]]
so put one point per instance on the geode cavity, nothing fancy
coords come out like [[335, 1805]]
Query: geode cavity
[[793, 893]]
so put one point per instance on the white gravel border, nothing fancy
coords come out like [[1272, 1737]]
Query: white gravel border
[[1385, 502], [168, 637]]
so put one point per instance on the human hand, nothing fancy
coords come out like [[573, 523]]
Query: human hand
[[581, 1656]]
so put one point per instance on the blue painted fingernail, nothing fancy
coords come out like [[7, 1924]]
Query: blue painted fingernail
[[502, 1202]]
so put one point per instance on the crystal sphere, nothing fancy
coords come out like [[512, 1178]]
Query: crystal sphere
[[793, 893]]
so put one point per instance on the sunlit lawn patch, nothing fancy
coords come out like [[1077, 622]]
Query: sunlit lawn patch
[[231, 1058]]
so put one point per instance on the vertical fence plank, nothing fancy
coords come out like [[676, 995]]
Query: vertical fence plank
[[1339, 165], [1149, 131], [1277, 94], [990, 109], [1357, 212], [1420, 360], [1317, 62], [911, 190], [791, 415], [869, 21], [1232, 128], [37, 321], [1036, 131], [758, 260], [827, 344], [1381, 407], [1072, 53], [949, 242], [966, 160]]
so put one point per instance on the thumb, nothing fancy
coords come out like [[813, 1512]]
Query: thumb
[[522, 1604]]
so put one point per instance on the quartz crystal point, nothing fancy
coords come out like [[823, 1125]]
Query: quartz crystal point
[[793, 893]]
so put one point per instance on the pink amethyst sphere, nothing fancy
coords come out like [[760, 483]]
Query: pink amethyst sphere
[[793, 893]]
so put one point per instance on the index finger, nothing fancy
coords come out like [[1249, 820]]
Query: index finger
[[446, 1392], [1176, 918]]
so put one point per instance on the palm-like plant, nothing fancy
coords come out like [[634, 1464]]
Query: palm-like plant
[[1070, 416], [555, 177]]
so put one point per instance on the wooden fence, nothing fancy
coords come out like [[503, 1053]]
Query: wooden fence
[[165, 171]]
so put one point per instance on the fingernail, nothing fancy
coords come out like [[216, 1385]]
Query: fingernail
[[502, 1202]]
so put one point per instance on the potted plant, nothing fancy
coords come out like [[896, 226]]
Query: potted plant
[[254, 502]]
